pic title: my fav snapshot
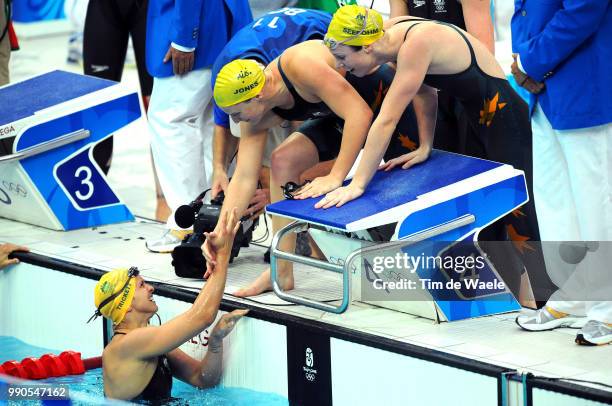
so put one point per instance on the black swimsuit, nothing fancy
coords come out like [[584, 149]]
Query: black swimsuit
[[324, 128], [470, 85], [302, 109], [160, 385], [499, 120]]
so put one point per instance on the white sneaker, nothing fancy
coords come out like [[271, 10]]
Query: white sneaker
[[548, 318], [595, 333], [168, 241]]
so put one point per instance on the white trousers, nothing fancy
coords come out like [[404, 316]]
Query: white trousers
[[180, 119], [75, 11], [572, 185], [276, 136]]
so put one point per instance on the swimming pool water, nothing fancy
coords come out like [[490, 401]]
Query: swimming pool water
[[90, 384]]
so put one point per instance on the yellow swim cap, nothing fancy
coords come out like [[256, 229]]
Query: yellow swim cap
[[117, 289], [238, 81], [354, 25]]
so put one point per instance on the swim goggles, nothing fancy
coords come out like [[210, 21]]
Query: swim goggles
[[291, 187], [132, 272]]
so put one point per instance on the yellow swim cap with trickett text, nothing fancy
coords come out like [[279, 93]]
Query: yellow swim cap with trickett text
[[238, 81], [354, 25], [117, 282]]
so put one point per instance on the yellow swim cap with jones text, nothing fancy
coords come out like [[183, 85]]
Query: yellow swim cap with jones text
[[238, 81], [354, 25]]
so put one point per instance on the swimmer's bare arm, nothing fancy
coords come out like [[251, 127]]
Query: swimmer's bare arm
[[244, 182], [148, 342], [320, 79], [224, 147], [413, 62], [425, 105], [205, 373]]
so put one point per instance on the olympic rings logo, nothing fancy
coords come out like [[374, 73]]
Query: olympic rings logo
[[15, 188]]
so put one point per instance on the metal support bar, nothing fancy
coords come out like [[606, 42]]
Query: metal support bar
[[47, 146], [345, 270]]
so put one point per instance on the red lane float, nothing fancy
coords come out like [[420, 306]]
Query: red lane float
[[35, 369], [14, 368], [50, 365], [92, 363]]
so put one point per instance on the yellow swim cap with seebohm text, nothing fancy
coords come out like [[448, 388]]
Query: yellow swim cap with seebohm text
[[238, 81], [354, 25]]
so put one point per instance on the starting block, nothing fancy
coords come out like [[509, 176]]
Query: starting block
[[434, 209], [49, 125]]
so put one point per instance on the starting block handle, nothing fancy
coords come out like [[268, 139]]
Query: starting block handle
[[345, 270], [47, 145]]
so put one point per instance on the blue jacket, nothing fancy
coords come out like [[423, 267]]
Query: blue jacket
[[568, 45], [206, 25]]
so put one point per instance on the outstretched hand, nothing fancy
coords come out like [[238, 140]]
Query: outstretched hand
[[226, 324], [220, 240]]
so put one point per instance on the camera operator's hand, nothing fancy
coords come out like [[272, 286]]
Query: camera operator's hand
[[219, 242], [220, 181], [260, 200]]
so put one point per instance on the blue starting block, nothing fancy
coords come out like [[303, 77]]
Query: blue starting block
[[435, 209], [49, 125]]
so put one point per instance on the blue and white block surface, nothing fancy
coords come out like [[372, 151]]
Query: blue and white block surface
[[62, 188]]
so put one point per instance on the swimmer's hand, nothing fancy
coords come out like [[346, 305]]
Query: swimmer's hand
[[6, 250], [219, 242], [407, 160], [319, 186], [225, 326], [340, 196]]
